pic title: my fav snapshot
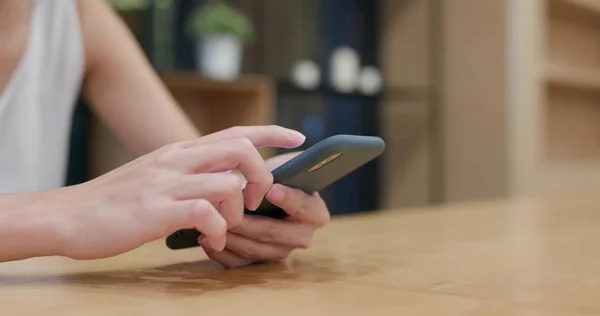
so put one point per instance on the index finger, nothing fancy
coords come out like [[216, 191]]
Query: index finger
[[260, 136]]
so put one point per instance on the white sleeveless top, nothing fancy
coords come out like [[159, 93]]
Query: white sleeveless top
[[37, 103]]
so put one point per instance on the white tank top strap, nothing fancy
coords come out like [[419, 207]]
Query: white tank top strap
[[37, 103]]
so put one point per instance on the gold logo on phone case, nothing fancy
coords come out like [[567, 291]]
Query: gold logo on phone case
[[324, 162]]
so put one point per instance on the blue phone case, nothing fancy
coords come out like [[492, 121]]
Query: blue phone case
[[310, 171]]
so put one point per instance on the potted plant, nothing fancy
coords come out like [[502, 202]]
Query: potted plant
[[220, 31]]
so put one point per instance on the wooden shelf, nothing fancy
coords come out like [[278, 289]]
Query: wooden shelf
[[191, 81], [561, 179], [584, 13], [589, 5], [543, 68], [571, 106], [573, 77], [572, 134]]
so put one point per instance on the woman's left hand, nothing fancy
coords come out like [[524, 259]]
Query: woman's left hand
[[260, 238]]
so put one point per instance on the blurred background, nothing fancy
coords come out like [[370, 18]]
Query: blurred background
[[476, 99]]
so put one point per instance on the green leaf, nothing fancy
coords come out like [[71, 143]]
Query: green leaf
[[219, 18]]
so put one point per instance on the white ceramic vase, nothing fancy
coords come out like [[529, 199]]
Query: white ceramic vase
[[344, 69], [219, 57]]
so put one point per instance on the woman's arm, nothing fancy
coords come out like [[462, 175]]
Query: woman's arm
[[175, 187], [29, 225], [121, 86]]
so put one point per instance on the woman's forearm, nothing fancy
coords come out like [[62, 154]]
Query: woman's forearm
[[29, 225], [123, 89]]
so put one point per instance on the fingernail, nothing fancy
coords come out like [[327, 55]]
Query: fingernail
[[296, 136], [216, 246], [251, 205], [221, 246], [255, 206], [201, 240], [276, 194]]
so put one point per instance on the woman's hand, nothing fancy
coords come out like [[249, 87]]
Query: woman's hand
[[176, 187], [260, 238]]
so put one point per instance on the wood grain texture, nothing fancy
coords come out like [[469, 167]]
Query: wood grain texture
[[406, 125], [530, 257], [474, 131], [406, 161]]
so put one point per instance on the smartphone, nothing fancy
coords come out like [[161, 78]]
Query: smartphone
[[311, 171]]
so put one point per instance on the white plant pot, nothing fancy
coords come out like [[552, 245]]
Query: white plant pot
[[219, 57], [345, 69]]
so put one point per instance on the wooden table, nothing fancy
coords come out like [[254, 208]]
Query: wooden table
[[517, 258]]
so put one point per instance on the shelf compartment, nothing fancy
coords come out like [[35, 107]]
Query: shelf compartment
[[572, 35], [589, 6], [573, 77], [572, 126]]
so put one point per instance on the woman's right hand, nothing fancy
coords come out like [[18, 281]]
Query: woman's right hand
[[180, 186]]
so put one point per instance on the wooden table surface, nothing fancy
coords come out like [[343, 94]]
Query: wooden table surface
[[517, 258]]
